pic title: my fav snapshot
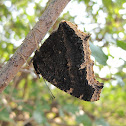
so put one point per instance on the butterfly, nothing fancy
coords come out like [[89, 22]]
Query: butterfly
[[64, 61]]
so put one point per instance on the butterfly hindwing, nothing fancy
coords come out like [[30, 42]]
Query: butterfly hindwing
[[61, 60]]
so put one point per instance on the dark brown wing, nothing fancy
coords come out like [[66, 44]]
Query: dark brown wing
[[64, 60]]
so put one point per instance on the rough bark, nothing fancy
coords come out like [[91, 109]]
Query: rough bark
[[29, 44]]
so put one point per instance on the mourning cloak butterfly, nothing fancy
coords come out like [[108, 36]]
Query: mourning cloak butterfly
[[64, 60]]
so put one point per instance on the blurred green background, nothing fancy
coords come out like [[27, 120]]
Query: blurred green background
[[27, 101]]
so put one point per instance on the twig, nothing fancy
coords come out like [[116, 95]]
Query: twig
[[47, 19]]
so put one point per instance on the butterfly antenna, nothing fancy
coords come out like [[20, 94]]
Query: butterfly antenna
[[52, 96]]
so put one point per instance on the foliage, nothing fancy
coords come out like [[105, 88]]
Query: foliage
[[26, 100]]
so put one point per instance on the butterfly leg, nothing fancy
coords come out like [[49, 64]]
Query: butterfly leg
[[37, 45], [24, 58]]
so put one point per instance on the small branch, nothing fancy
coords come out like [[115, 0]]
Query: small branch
[[29, 44]]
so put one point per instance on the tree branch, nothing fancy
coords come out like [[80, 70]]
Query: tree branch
[[29, 44]]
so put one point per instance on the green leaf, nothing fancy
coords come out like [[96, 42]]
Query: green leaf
[[121, 113], [61, 113], [98, 54], [84, 119], [4, 116], [71, 108], [42, 106], [39, 116], [121, 44], [101, 122]]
